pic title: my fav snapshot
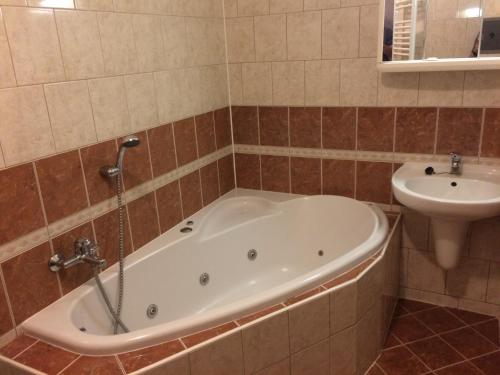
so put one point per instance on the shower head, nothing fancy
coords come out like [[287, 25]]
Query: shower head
[[130, 141], [127, 142], [115, 170]]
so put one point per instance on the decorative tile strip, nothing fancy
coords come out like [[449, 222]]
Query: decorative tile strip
[[41, 235]]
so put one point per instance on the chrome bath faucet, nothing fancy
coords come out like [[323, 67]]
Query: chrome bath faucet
[[85, 252]]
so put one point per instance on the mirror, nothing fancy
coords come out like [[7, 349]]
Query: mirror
[[439, 35]]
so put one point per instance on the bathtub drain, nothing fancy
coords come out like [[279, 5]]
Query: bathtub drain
[[151, 311], [252, 254]]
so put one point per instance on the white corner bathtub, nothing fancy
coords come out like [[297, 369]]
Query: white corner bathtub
[[288, 232]]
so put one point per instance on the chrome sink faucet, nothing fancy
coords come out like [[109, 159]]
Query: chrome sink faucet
[[456, 163], [85, 252]]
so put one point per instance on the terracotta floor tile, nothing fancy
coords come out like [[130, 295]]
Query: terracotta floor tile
[[407, 329], [46, 358], [439, 320], [464, 368], [468, 316], [138, 359], [414, 306], [16, 346], [399, 361], [489, 364], [435, 353], [391, 341], [93, 366], [490, 330], [400, 310], [468, 342]]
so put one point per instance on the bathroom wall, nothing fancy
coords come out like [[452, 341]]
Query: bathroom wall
[[76, 78], [312, 115]]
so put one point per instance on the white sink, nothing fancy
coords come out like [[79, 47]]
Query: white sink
[[452, 201]]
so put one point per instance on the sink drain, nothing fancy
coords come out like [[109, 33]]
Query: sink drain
[[152, 311]]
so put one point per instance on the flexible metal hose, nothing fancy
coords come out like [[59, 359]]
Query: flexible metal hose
[[121, 262]]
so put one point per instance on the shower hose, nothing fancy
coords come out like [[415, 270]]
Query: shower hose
[[116, 314]]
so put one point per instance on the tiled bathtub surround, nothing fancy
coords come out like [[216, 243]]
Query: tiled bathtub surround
[[322, 331], [49, 203]]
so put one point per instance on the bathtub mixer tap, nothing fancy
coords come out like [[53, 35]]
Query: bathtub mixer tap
[[86, 251]]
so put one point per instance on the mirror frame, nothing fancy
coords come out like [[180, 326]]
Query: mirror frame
[[451, 64]]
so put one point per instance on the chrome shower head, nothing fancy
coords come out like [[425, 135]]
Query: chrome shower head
[[130, 141], [115, 170]]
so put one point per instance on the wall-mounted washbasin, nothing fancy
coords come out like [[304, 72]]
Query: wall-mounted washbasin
[[452, 201]]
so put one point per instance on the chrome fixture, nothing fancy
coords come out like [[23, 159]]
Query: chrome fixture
[[86, 251], [152, 311], [112, 171], [456, 163]]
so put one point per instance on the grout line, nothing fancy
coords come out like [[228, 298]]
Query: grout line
[[69, 364], [3, 284], [153, 176]]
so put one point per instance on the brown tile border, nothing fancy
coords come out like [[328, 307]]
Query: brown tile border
[[138, 359]]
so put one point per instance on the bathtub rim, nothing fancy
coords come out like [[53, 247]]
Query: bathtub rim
[[98, 345]]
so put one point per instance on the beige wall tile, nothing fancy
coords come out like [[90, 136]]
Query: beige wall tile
[[469, 279], [221, 357], [309, 323], [284, 6], [416, 229], [370, 288], [212, 88], [351, 3], [343, 350], [429, 297], [206, 40], [322, 82], [80, 44], [7, 77], [321, 4], [231, 8], [482, 88], [479, 306], [240, 39], [424, 273], [266, 342], [270, 38], [94, 4], [280, 368], [257, 84], [179, 366], [253, 7], [118, 47], [485, 239], [148, 42], [288, 83], [314, 360], [440, 89], [109, 105], [175, 42], [70, 114], [368, 33], [304, 36], [398, 89], [13, 2], [141, 101], [24, 121], [343, 307], [68, 4], [340, 33], [236, 83], [177, 94], [358, 82], [493, 292], [34, 44], [369, 337]]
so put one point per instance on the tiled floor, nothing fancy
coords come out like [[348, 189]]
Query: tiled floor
[[428, 339]]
